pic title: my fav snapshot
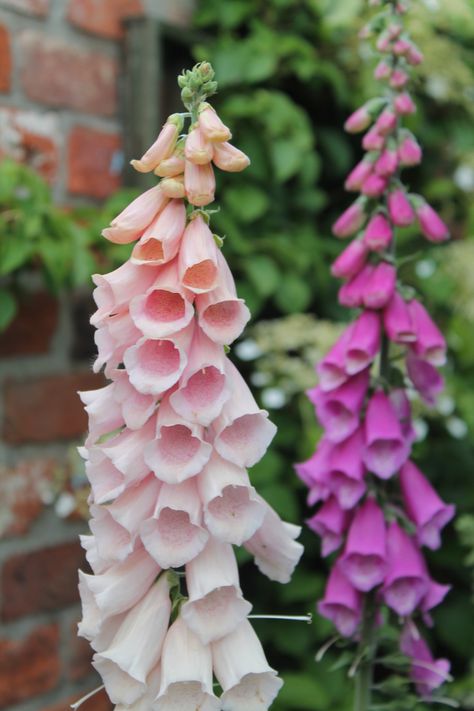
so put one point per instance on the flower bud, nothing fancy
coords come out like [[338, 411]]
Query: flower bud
[[401, 47], [170, 167], [173, 187], [399, 208], [228, 158], [374, 186], [351, 220], [197, 148], [378, 233], [199, 183], [431, 224], [211, 125], [357, 175], [358, 121], [409, 151], [414, 56], [398, 79], [163, 146], [384, 42], [350, 261], [404, 105], [383, 70], [387, 163], [386, 122], [373, 141]]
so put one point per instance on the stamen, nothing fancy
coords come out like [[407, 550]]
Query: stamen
[[88, 696], [291, 618]]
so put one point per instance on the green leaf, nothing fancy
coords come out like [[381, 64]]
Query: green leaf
[[14, 252], [263, 274], [293, 294], [8, 308], [248, 202], [302, 692]]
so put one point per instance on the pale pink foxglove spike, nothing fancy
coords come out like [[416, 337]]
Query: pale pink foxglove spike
[[386, 448], [426, 672], [339, 410], [186, 672], [215, 606], [179, 451], [342, 602], [426, 379], [332, 369], [106, 481], [233, 512], [160, 242], [424, 507], [242, 430], [135, 408], [378, 234], [330, 522], [197, 148], [351, 293], [430, 343], [136, 647], [229, 158], [199, 183], [136, 504], [346, 471], [175, 534], [222, 316], [198, 265], [275, 550], [398, 321], [113, 541], [130, 224], [211, 125], [145, 702], [364, 342], [406, 582], [315, 472], [155, 365], [364, 560], [248, 682], [351, 260], [115, 290], [125, 451], [165, 307], [103, 416], [162, 148], [380, 286], [112, 338], [202, 389]]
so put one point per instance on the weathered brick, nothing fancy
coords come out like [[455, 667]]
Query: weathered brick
[[98, 702], [22, 490], [94, 162], [29, 666], [47, 408], [30, 137], [41, 581], [5, 59], [103, 17], [58, 74], [32, 329], [40, 8]]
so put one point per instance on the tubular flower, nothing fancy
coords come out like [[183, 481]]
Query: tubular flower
[[170, 439], [377, 509]]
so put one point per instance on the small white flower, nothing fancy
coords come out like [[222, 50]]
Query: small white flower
[[273, 398], [248, 350], [425, 268], [464, 177], [421, 429], [445, 405], [456, 427]]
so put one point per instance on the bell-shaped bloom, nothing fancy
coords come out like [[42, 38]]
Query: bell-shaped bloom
[[115, 290], [402, 407], [430, 343], [247, 682], [364, 342], [342, 602], [112, 339], [405, 582], [103, 416], [199, 183], [330, 522], [174, 535], [374, 186], [197, 148], [315, 472], [179, 450], [162, 148], [399, 208], [89, 544], [186, 672], [135, 408], [202, 389], [358, 175], [435, 594], [364, 560], [426, 379], [242, 430], [106, 481], [136, 504], [160, 241], [404, 104], [351, 220], [274, 547], [164, 308], [380, 286], [426, 672], [398, 321], [113, 541], [339, 410], [222, 316], [423, 505], [387, 163], [332, 368], [229, 158], [386, 448], [115, 590], [346, 470], [215, 606], [154, 365], [351, 294], [232, 510], [351, 260], [378, 234], [136, 647], [125, 451], [358, 121], [198, 268], [212, 126], [431, 224], [145, 702], [129, 225], [173, 188], [409, 151]]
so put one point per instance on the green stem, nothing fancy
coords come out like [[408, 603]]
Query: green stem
[[367, 650]]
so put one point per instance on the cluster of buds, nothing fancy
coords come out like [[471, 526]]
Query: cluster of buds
[[377, 506], [170, 440]]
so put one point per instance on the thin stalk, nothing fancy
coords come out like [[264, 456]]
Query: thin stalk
[[367, 650]]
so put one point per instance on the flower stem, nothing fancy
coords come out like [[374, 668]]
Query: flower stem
[[367, 650]]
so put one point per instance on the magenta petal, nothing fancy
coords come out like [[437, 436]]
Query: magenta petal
[[364, 557]]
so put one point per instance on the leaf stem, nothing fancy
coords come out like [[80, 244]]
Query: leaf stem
[[367, 650]]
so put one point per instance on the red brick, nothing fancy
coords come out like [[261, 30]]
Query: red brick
[[21, 492], [5, 59], [92, 157], [32, 329], [47, 408], [98, 702], [57, 74], [103, 17], [31, 140], [79, 664], [40, 8], [41, 581], [29, 666]]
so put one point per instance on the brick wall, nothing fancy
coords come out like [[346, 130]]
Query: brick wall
[[60, 111]]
